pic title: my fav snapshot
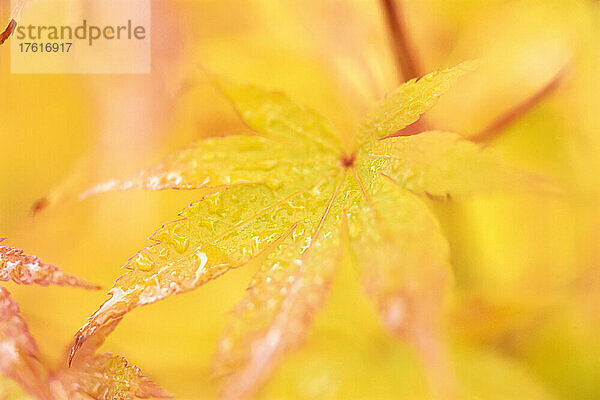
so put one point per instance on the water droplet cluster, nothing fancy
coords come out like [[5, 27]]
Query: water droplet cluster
[[110, 377]]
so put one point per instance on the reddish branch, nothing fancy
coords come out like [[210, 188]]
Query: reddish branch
[[508, 118], [406, 61], [12, 25]]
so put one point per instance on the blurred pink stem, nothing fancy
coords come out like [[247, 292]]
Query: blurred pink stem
[[404, 54], [432, 353], [508, 118]]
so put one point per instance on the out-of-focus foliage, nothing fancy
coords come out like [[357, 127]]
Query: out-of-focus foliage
[[19, 352], [93, 376], [526, 285]]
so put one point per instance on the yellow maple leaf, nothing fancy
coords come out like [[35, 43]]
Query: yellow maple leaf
[[284, 199]]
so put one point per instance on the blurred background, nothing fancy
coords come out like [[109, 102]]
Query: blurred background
[[525, 315]]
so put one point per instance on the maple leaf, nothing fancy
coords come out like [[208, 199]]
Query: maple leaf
[[108, 377], [409, 101], [18, 350], [93, 376], [281, 199], [15, 17], [17, 347], [103, 376], [26, 269]]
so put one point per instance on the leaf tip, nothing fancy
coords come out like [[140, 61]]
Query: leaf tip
[[80, 339], [7, 33], [39, 206]]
